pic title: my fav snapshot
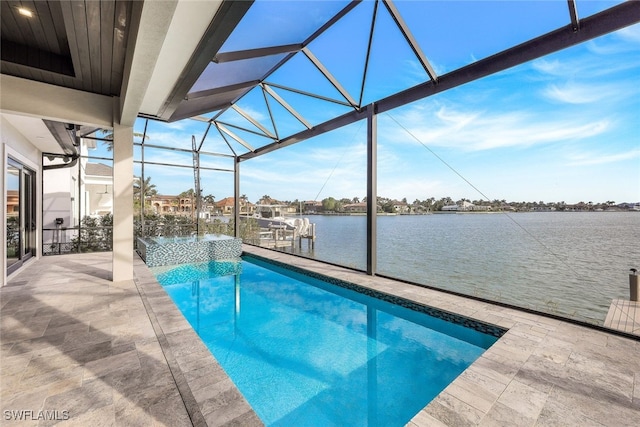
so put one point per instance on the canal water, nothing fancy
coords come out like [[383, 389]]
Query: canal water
[[567, 263]]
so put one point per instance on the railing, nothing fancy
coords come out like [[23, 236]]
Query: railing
[[61, 241], [168, 228], [161, 228]]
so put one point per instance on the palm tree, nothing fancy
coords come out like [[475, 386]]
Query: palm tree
[[266, 200], [149, 191], [149, 188]]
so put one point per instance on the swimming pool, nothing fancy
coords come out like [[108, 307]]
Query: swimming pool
[[306, 352]]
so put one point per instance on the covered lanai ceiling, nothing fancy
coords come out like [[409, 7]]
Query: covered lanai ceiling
[[266, 74]]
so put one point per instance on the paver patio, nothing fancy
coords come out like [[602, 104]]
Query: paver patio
[[107, 353]]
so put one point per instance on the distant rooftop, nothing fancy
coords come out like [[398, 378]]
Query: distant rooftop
[[98, 169]]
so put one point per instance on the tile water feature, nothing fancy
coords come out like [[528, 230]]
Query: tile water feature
[[157, 251]]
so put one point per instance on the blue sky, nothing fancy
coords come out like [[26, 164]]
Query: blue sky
[[561, 128]]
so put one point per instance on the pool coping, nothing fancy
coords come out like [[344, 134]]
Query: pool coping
[[209, 395], [541, 371]]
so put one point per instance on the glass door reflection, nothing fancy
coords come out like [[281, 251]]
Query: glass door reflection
[[29, 214], [13, 216], [21, 214]]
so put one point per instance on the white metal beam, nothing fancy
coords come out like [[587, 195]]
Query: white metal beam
[[253, 121], [287, 107], [241, 141]]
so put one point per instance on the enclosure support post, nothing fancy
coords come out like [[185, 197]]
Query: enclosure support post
[[143, 190], [236, 197], [372, 190], [122, 264], [196, 179]]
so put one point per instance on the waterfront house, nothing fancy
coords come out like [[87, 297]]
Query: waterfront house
[[312, 206], [355, 208], [400, 207], [163, 204], [226, 206]]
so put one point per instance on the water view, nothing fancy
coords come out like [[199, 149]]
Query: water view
[[571, 264]]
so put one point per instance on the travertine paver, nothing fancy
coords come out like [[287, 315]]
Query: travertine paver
[[117, 354], [81, 348]]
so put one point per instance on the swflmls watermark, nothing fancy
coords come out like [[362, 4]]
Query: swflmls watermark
[[30, 415]]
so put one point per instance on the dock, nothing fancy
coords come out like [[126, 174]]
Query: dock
[[281, 237], [624, 315]]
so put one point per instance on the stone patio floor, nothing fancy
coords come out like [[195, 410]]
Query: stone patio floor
[[90, 352]]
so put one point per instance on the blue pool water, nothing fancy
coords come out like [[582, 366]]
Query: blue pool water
[[306, 352]]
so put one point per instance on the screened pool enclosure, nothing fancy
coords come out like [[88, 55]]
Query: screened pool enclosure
[[370, 117]]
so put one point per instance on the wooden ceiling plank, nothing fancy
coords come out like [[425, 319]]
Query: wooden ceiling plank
[[35, 58], [92, 9], [10, 27], [44, 55], [35, 24], [122, 24], [38, 75], [34, 50], [57, 79], [61, 32], [67, 18], [79, 16], [67, 81], [9, 68], [43, 11], [107, 13]]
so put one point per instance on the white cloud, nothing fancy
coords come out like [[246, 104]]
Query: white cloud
[[317, 172], [595, 66], [589, 159], [552, 67], [485, 130], [170, 139], [624, 40], [576, 93], [178, 125], [167, 156], [631, 34]]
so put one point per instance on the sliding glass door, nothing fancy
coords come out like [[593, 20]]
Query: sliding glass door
[[21, 220], [13, 216]]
